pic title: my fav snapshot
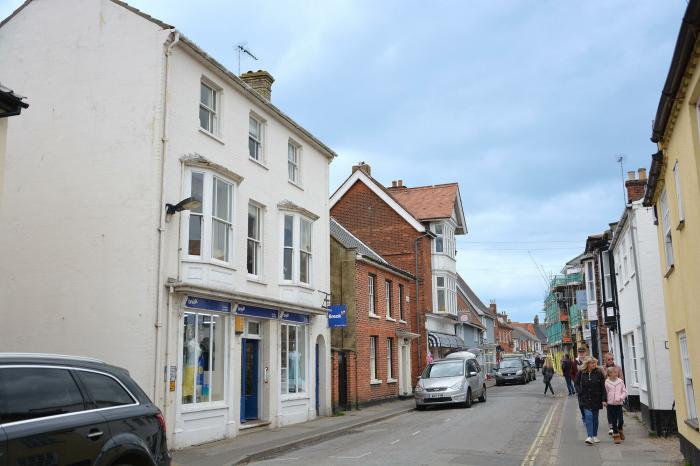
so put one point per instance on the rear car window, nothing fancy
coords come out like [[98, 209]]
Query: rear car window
[[36, 392], [104, 390]]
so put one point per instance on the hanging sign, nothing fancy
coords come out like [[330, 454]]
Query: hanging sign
[[337, 316], [196, 302]]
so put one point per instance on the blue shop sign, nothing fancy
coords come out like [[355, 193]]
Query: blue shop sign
[[253, 311], [337, 316], [196, 302], [294, 317]]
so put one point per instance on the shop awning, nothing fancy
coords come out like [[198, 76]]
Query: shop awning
[[443, 340]]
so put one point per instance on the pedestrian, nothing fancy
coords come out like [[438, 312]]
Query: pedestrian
[[577, 367], [568, 371], [547, 374], [590, 385], [616, 392], [609, 361]]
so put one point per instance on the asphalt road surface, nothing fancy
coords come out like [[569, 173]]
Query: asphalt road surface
[[513, 427]]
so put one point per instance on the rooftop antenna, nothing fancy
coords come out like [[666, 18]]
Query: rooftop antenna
[[620, 158], [241, 49]]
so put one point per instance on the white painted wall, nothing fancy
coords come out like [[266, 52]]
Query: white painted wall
[[80, 200], [640, 227]]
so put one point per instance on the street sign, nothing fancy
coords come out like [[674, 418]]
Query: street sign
[[337, 316]]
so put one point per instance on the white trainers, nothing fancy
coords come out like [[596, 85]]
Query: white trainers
[[596, 440], [589, 440], [610, 431]]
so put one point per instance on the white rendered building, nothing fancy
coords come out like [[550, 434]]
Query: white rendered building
[[217, 310]]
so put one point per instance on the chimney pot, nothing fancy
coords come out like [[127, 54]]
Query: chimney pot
[[364, 167], [393, 184], [630, 175], [642, 173], [400, 183], [261, 82]]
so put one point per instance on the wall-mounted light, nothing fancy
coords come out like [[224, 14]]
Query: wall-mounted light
[[185, 204]]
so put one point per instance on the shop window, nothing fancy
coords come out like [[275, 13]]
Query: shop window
[[203, 358], [293, 358]]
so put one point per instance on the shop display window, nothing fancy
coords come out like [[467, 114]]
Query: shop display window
[[293, 358], [203, 358]]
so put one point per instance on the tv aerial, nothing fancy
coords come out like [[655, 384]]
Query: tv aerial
[[243, 50]]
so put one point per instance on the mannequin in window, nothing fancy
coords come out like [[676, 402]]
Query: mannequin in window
[[189, 359]]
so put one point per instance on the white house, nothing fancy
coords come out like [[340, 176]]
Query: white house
[[641, 312], [214, 304]]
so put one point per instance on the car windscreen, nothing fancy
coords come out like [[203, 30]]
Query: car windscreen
[[511, 364], [444, 369]]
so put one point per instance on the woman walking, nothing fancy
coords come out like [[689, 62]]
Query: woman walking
[[547, 374], [590, 386]]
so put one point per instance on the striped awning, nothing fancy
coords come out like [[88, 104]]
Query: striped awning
[[443, 340]]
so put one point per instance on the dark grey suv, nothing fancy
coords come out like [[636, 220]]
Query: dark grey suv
[[63, 410]]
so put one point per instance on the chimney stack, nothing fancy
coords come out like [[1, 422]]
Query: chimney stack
[[636, 186], [261, 82], [397, 184], [393, 184], [364, 167]]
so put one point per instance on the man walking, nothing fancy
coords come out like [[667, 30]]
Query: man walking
[[566, 370]]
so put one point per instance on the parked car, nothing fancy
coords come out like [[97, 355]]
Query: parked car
[[511, 370], [456, 379], [64, 410]]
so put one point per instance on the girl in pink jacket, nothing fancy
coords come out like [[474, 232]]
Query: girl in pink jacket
[[616, 394]]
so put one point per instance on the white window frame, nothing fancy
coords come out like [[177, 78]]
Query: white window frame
[[222, 321], [207, 218], [590, 282], [371, 294], [630, 250], [449, 289], [688, 389], [679, 195], [389, 359], [284, 362], [228, 224], [373, 358], [438, 289], [294, 164], [639, 350], [213, 112], [666, 229], [298, 249], [625, 261], [632, 351], [388, 292], [256, 240], [306, 250], [259, 140], [439, 237], [402, 297], [605, 273]]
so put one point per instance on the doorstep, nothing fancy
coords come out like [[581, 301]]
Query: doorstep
[[253, 424]]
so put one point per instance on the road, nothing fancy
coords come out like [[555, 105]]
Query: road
[[513, 427]]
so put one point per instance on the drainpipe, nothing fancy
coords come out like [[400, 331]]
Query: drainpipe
[[417, 311], [161, 226], [633, 233]]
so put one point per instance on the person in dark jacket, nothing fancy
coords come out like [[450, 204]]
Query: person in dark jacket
[[547, 374], [567, 371], [590, 385]]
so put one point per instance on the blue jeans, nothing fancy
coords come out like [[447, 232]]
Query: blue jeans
[[591, 417], [569, 385]]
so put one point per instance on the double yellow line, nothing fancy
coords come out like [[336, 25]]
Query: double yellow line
[[534, 450]]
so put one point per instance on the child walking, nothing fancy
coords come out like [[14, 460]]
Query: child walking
[[616, 394]]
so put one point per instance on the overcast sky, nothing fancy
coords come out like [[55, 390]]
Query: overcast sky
[[526, 104]]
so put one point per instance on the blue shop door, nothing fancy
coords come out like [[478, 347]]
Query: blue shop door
[[249, 379]]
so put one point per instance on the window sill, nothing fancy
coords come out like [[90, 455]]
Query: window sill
[[680, 226], [257, 162], [391, 380], [390, 319], [297, 285], [213, 136], [401, 321], [693, 424], [213, 262], [374, 316], [375, 382], [295, 397], [669, 271], [296, 185], [254, 279], [209, 406]]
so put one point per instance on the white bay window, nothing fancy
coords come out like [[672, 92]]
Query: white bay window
[[254, 247], [297, 249]]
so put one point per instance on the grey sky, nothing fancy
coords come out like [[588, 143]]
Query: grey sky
[[526, 104]]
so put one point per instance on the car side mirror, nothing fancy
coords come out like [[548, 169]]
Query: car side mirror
[[472, 374]]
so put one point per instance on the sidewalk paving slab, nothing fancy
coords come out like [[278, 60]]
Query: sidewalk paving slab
[[259, 444]]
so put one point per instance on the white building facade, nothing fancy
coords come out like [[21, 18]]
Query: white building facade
[[642, 316], [215, 309]]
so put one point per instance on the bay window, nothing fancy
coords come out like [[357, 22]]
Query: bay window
[[210, 225], [305, 251], [439, 231], [254, 248], [590, 284], [605, 272], [297, 249], [288, 260], [293, 358], [203, 357], [446, 294]]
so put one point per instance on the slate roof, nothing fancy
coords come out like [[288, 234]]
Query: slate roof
[[350, 241], [531, 329], [473, 298], [428, 202], [519, 332]]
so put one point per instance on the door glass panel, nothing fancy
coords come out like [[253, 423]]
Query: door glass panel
[[250, 369]]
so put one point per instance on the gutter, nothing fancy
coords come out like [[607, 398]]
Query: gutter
[[685, 45], [384, 266], [657, 161]]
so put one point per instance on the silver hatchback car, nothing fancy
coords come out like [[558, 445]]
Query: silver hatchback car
[[450, 381]]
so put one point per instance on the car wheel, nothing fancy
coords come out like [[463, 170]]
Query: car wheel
[[468, 399], [482, 398]]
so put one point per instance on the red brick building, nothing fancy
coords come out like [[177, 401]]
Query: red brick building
[[504, 333], [414, 230], [371, 356]]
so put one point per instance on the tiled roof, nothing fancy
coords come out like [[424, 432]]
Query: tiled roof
[[473, 298], [428, 202], [531, 329], [350, 241], [519, 332]]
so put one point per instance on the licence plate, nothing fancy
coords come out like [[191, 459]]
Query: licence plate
[[435, 395]]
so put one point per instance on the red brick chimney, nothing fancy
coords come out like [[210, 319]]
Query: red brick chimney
[[492, 306], [364, 167], [636, 185], [397, 184]]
